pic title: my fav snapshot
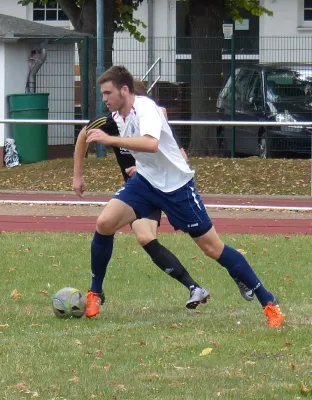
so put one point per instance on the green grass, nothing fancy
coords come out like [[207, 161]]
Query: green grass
[[145, 344], [245, 176]]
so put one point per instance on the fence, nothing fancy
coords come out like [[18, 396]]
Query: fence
[[193, 74]]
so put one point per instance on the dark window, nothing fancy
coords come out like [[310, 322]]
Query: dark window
[[183, 31], [307, 14], [49, 12], [183, 73]]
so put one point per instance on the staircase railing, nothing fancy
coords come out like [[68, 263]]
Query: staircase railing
[[158, 61]]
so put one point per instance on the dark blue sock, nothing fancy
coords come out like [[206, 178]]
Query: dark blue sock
[[101, 252], [238, 267]]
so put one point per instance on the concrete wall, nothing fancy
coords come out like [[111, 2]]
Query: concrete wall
[[2, 100], [56, 77], [163, 43], [15, 75], [11, 7], [285, 37]]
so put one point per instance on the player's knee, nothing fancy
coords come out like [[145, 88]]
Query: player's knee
[[144, 238], [105, 225], [213, 250]]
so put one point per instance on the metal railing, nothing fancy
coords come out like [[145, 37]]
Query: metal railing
[[171, 122], [158, 61]]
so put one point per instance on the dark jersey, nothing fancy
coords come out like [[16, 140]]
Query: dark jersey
[[124, 157]]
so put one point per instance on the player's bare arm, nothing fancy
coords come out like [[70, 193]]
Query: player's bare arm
[[144, 143], [79, 154]]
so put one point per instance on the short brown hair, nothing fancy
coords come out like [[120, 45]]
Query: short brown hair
[[119, 76], [140, 87]]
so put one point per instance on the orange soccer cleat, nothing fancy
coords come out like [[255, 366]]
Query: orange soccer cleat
[[273, 313], [94, 302]]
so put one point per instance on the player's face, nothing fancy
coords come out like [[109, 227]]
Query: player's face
[[113, 97]]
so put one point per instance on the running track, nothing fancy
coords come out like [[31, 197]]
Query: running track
[[278, 225]]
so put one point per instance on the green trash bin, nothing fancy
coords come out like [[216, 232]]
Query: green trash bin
[[31, 139]]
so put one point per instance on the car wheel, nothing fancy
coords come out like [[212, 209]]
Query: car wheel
[[263, 145]]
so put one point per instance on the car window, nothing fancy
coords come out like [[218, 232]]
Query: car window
[[241, 84], [254, 89], [226, 91], [283, 85]]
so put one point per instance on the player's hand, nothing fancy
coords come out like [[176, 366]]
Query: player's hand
[[97, 135], [131, 171], [78, 186]]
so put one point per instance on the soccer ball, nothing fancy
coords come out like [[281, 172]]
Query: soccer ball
[[69, 302]]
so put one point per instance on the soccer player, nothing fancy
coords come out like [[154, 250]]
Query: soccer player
[[144, 228], [163, 181]]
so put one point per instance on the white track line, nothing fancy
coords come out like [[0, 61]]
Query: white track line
[[104, 203]]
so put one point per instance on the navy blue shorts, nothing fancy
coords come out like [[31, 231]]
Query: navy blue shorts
[[183, 207]]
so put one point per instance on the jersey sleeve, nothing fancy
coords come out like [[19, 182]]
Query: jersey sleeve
[[106, 124], [149, 119]]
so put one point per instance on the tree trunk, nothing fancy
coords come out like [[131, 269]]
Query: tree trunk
[[84, 20], [206, 17]]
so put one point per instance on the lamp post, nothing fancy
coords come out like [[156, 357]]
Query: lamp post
[[228, 32], [100, 148]]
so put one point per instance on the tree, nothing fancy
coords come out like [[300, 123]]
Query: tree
[[206, 18], [118, 16]]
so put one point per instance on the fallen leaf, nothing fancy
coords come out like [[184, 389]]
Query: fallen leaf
[[98, 353], [15, 294], [242, 251], [75, 379], [107, 367], [44, 292], [206, 351], [4, 326], [303, 389], [174, 326]]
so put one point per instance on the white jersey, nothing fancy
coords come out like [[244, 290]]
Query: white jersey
[[166, 169]]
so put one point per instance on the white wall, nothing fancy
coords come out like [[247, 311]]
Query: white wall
[[284, 37], [15, 75], [56, 77], [2, 98], [134, 55], [11, 7]]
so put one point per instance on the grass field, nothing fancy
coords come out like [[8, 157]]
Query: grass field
[[145, 344]]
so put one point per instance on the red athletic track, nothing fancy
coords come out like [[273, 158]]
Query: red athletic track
[[223, 225], [244, 200]]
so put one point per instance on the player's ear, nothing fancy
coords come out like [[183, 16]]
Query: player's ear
[[124, 90]]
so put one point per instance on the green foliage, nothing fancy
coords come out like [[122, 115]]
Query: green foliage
[[124, 20], [233, 8]]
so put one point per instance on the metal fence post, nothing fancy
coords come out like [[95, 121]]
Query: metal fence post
[[100, 148], [85, 93], [233, 93], [85, 96]]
